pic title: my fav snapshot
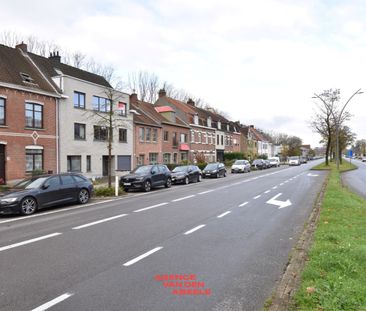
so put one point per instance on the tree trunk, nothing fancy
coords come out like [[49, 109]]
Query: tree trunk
[[327, 152]]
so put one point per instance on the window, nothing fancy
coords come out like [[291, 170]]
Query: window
[[142, 133], [101, 104], [148, 134], [33, 160], [153, 158], [183, 138], [88, 163], [2, 111], [192, 136], [218, 139], [199, 140], [122, 134], [175, 158], [122, 108], [53, 183], [79, 131], [33, 115], [166, 135], [183, 156], [166, 158], [123, 163], [74, 163], [222, 139], [79, 100], [209, 139], [154, 135], [141, 159], [100, 133], [67, 180], [175, 139]]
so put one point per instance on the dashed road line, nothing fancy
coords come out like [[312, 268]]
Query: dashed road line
[[243, 204], [224, 214], [133, 261], [184, 198], [53, 302], [204, 192], [267, 191], [4, 248], [194, 229], [99, 222], [275, 187], [149, 207], [257, 197]]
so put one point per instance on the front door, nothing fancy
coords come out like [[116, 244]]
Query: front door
[[2, 165], [105, 165]]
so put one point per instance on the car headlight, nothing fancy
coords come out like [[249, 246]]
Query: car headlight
[[214, 171], [139, 178], [9, 200]]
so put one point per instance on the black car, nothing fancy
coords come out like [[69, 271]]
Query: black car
[[186, 174], [259, 164], [214, 170], [42, 191], [147, 177]]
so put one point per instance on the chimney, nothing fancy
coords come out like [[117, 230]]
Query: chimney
[[191, 102], [162, 93], [133, 98], [22, 46], [55, 57]]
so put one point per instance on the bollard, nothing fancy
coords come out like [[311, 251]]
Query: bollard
[[116, 186]]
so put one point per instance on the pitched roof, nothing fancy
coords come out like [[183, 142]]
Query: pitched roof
[[144, 117], [17, 69], [164, 109]]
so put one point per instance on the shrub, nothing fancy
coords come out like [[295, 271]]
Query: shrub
[[37, 172], [172, 166], [229, 163], [107, 192], [234, 156], [201, 165]]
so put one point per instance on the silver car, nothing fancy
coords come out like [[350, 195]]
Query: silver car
[[240, 166]]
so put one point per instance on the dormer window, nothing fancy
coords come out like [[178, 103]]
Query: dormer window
[[195, 119], [219, 125], [209, 122], [228, 127], [26, 77]]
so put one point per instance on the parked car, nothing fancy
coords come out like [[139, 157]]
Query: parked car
[[34, 193], [274, 161], [294, 160], [267, 163], [186, 174], [147, 177], [259, 164], [363, 159], [303, 160], [240, 166], [214, 170]]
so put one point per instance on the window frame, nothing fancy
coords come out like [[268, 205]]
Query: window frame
[[107, 107], [69, 166], [100, 128], [33, 154], [33, 126], [3, 105], [78, 138], [122, 130], [78, 106]]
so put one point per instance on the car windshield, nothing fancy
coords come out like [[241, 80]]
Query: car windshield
[[142, 170], [239, 162], [212, 166], [180, 169], [294, 158], [257, 161], [30, 183]]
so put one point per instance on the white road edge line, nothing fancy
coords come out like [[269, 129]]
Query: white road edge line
[[257, 197], [53, 302], [224, 214], [184, 198], [4, 248], [243, 204], [98, 222], [131, 262], [150, 207], [194, 229]]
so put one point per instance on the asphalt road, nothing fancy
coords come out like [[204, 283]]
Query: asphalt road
[[221, 242], [356, 179]]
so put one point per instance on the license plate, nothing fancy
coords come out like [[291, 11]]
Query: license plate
[[127, 184], [208, 174]]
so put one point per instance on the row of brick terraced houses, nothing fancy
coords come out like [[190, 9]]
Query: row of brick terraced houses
[[49, 122]]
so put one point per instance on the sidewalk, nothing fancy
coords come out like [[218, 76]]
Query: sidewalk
[[356, 180]]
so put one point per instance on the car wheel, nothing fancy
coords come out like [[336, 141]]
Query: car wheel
[[199, 178], [186, 181], [83, 196], [147, 186], [28, 206], [217, 175], [168, 183], [225, 174]]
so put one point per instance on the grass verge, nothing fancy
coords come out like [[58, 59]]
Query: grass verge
[[335, 276], [345, 166]]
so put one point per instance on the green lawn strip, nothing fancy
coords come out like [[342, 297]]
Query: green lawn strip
[[335, 276], [345, 166]]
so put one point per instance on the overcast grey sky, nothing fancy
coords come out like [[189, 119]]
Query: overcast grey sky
[[261, 61]]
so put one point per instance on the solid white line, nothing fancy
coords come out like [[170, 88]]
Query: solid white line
[[149, 207], [204, 192], [243, 204], [99, 221], [53, 302], [224, 214], [131, 262], [267, 191], [4, 248], [184, 198], [257, 197], [194, 229]]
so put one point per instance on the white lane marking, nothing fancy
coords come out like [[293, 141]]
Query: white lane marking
[[53, 302], [280, 204], [224, 214], [149, 207], [267, 191], [4, 248], [243, 204], [58, 211], [131, 262], [204, 192], [194, 229], [275, 187], [286, 181], [184, 198], [99, 221], [281, 183], [257, 197]]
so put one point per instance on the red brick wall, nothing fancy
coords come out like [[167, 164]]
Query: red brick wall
[[15, 125], [147, 147]]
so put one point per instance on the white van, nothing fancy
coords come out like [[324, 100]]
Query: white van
[[274, 161], [294, 160]]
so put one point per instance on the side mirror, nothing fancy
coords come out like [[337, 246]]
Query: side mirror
[[44, 186], [153, 172]]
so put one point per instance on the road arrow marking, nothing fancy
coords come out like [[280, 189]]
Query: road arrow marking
[[280, 204], [313, 175]]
